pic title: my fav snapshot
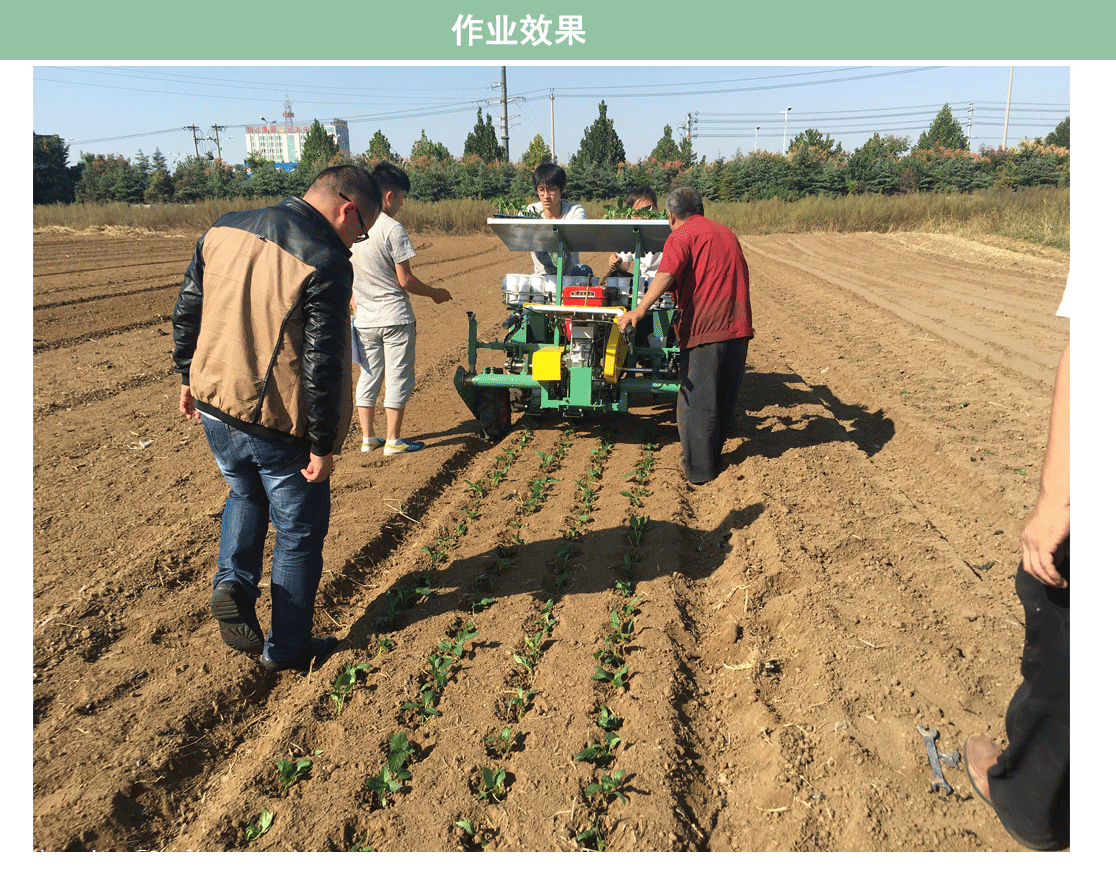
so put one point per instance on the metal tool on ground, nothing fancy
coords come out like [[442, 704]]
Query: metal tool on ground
[[929, 736]]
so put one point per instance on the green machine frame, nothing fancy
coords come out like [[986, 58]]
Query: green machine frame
[[651, 366]]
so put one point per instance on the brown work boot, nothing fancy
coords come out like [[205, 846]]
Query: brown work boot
[[980, 755]]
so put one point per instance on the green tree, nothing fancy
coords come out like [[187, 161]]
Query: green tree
[[537, 152], [874, 167], [317, 148], [482, 141], [160, 188], [686, 152], [666, 149], [52, 178], [380, 149], [1060, 135], [594, 168], [945, 132], [191, 181], [811, 138], [264, 179], [600, 145], [423, 147]]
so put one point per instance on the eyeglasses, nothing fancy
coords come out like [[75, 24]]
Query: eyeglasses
[[363, 229]]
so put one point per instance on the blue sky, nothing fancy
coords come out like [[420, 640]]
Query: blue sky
[[122, 108]]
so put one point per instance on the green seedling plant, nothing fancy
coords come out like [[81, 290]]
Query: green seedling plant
[[359, 845], [386, 783], [526, 659], [636, 527], [601, 752], [504, 742], [513, 206], [439, 670], [593, 838], [607, 720], [456, 648], [546, 620], [609, 656], [384, 645], [290, 772], [622, 211], [622, 630], [344, 682], [257, 828], [523, 696], [468, 828], [426, 706], [492, 785], [608, 787], [400, 750], [615, 679], [479, 605]]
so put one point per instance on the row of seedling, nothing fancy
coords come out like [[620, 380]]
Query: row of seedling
[[288, 772], [640, 476], [492, 783], [549, 461], [587, 487], [603, 787], [403, 596], [394, 772], [611, 670], [441, 664], [526, 656]]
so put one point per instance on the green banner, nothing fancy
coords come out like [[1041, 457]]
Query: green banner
[[557, 31]]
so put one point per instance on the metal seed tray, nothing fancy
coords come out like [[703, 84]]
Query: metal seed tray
[[538, 234]]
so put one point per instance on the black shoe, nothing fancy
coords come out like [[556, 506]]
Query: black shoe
[[236, 616], [320, 649]]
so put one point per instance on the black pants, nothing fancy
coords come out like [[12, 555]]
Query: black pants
[[710, 377], [1029, 784]]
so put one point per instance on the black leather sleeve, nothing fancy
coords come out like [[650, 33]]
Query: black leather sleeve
[[325, 351], [187, 315]]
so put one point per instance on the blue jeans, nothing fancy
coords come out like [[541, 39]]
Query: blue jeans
[[265, 483]]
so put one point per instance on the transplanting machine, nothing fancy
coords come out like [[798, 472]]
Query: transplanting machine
[[563, 350]]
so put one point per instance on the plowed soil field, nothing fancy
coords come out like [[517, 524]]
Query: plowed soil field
[[768, 642]]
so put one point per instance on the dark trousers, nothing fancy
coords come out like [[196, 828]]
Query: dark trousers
[[710, 377], [1029, 784]]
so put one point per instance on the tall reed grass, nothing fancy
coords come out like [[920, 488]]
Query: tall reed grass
[[1035, 215]]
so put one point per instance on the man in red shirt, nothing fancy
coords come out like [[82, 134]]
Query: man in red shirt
[[703, 261]]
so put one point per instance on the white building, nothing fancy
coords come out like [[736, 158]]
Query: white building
[[282, 143]]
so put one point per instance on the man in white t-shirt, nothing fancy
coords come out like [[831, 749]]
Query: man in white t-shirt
[[550, 183], [383, 317]]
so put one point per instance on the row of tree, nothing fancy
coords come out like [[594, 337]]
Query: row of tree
[[814, 164]]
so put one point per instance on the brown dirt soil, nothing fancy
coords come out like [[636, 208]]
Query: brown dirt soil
[[848, 576]]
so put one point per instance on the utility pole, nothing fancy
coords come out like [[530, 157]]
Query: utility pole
[[1007, 111], [969, 130], [553, 153], [216, 137], [504, 103], [193, 128]]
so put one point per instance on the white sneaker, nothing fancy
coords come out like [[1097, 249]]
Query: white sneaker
[[371, 444], [407, 447]]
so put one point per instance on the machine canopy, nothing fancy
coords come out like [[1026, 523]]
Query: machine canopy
[[536, 234]]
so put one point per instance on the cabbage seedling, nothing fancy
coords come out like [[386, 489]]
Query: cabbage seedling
[[259, 827], [492, 784], [384, 784], [344, 682]]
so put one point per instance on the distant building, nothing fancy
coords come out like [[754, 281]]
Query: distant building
[[282, 143]]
